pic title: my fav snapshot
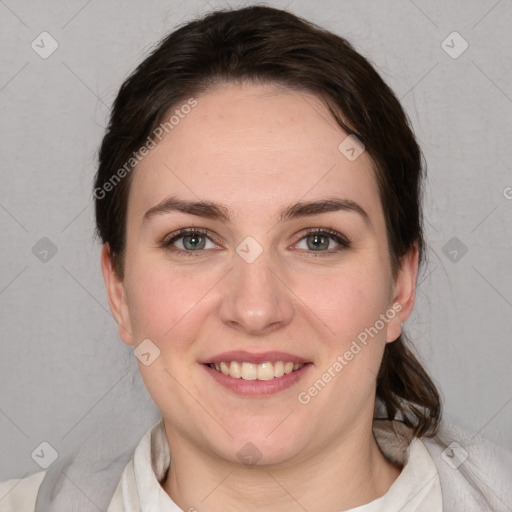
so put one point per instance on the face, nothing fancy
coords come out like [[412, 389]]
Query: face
[[259, 277]]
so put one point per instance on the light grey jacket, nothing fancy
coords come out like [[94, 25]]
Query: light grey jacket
[[475, 476]]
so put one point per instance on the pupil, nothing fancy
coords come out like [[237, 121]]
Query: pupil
[[320, 241], [193, 241]]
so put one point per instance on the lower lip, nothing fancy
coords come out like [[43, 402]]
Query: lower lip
[[258, 387]]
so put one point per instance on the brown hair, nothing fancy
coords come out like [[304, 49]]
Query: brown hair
[[264, 44]]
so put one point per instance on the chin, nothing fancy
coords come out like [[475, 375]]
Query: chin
[[262, 445]]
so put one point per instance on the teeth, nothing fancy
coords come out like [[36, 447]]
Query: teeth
[[265, 371], [278, 369], [251, 371], [224, 368], [235, 370]]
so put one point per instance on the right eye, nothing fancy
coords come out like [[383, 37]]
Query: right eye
[[189, 240]]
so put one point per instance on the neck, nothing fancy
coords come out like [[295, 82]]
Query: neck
[[338, 476]]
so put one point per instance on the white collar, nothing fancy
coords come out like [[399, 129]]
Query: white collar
[[417, 488]]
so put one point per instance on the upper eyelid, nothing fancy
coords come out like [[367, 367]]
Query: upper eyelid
[[180, 233]]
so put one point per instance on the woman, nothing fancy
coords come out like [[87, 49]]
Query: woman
[[259, 201]]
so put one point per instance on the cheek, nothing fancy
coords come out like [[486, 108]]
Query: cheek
[[162, 300], [350, 303], [348, 300]]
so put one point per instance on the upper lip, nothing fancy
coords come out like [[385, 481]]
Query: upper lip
[[255, 358]]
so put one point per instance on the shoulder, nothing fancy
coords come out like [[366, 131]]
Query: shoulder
[[474, 473], [472, 466], [19, 495]]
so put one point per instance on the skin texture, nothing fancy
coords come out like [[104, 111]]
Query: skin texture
[[258, 149]]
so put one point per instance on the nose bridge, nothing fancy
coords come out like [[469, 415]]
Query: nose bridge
[[255, 299]]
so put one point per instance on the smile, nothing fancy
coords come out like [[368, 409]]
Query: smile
[[257, 379], [252, 371]]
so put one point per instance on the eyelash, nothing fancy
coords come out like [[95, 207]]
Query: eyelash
[[344, 243]]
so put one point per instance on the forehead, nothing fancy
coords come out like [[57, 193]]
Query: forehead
[[253, 146]]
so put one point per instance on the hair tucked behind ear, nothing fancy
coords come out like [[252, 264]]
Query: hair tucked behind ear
[[263, 44], [405, 389]]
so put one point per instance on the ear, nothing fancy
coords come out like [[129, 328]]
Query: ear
[[404, 292], [116, 295]]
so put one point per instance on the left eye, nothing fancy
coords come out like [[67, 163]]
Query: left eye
[[320, 241]]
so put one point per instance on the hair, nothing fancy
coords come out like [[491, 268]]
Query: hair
[[266, 45]]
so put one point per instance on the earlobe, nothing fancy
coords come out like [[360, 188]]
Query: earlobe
[[394, 327], [404, 292], [116, 295]]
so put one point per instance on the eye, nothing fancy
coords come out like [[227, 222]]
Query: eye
[[192, 241], [320, 240], [188, 241]]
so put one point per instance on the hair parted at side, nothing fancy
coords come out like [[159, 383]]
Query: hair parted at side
[[264, 44]]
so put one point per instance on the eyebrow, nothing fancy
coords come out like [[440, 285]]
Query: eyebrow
[[216, 211]]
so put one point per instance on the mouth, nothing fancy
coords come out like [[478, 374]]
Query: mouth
[[250, 371], [250, 374]]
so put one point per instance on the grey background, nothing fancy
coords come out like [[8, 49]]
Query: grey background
[[65, 376]]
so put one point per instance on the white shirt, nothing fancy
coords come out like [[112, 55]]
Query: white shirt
[[417, 488], [481, 483]]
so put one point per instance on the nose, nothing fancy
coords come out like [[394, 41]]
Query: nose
[[256, 298]]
